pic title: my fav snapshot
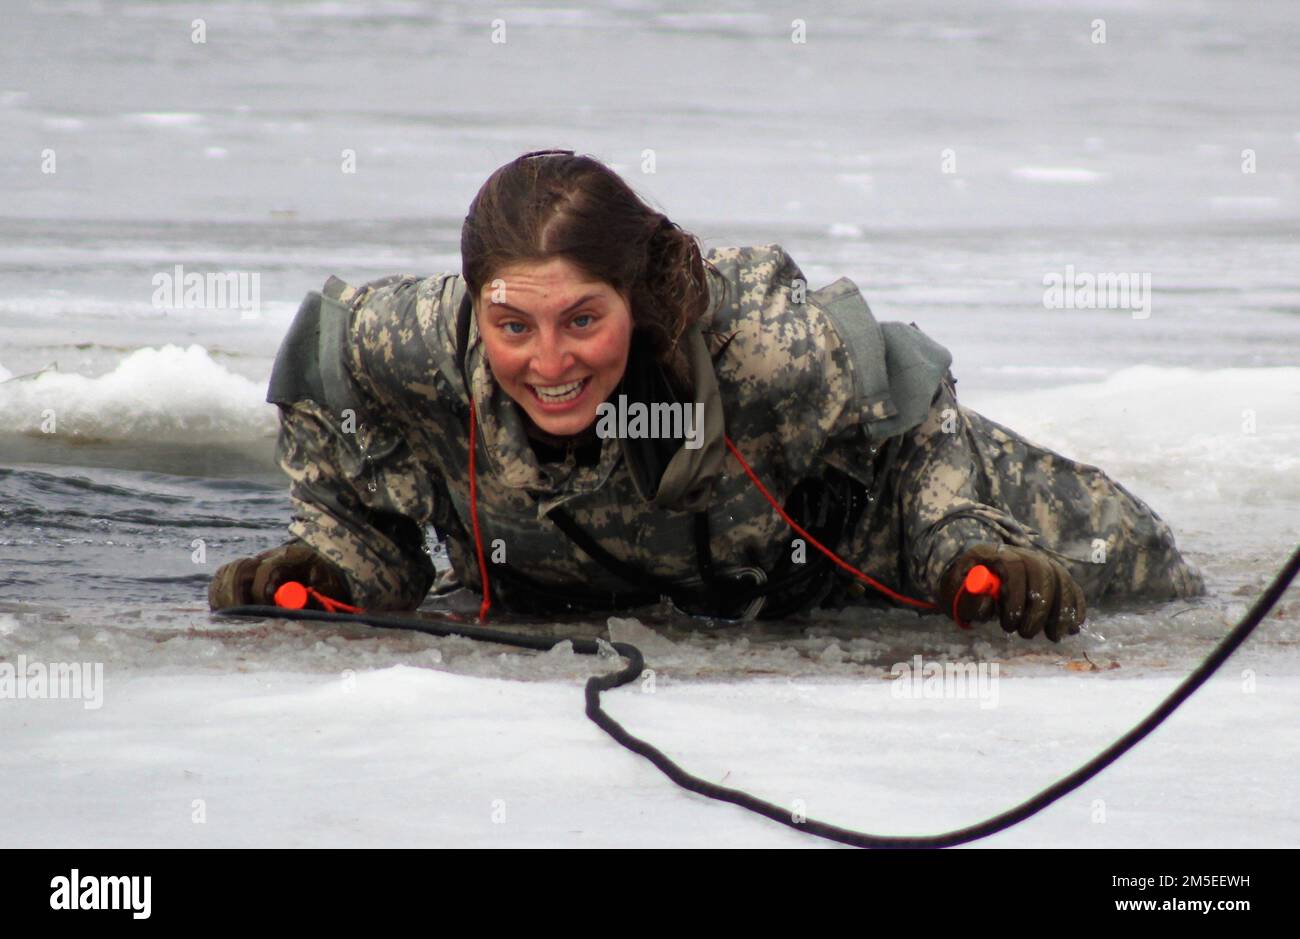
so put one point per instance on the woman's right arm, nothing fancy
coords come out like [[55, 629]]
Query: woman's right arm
[[361, 499], [364, 515]]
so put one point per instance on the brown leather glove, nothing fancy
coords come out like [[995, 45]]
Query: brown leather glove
[[255, 580], [1037, 595]]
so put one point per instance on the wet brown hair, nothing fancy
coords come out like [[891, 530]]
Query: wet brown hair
[[553, 203]]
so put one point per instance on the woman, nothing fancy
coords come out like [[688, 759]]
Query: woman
[[594, 415]]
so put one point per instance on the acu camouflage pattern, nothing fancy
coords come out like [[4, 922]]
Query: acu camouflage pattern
[[792, 404]]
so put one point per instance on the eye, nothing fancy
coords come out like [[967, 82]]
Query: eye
[[582, 316], [506, 327]]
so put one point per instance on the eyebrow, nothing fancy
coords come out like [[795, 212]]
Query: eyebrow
[[569, 309]]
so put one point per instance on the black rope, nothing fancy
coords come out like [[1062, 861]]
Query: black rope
[[455, 627], [635, 663]]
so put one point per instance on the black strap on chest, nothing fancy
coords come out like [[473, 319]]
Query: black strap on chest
[[828, 508], [622, 569], [715, 588]]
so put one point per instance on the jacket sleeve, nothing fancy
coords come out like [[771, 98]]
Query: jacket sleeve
[[944, 498], [890, 391], [360, 497]]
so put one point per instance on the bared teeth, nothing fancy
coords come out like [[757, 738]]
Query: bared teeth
[[560, 393]]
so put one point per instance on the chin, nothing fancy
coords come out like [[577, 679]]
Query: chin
[[567, 426]]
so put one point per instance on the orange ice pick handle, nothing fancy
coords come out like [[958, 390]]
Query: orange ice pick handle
[[982, 581], [292, 595]]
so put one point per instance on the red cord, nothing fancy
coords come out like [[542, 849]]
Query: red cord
[[473, 514], [331, 605], [919, 604], [871, 581]]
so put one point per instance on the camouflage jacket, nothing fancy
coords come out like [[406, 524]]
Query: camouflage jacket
[[852, 425]]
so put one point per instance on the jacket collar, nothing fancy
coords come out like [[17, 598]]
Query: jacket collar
[[687, 481]]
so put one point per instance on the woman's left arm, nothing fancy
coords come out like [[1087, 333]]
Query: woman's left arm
[[942, 495], [950, 524]]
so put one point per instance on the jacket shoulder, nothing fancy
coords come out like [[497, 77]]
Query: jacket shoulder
[[350, 346], [780, 364], [822, 348], [764, 325], [749, 276], [403, 336]]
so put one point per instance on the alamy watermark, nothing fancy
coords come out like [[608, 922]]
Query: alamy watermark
[[1081, 290], [919, 679], [225, 290], [89, 892], [659, 420], [73, 681]]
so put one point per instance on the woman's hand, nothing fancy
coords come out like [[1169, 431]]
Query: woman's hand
[[255, 580], [1037, 594]]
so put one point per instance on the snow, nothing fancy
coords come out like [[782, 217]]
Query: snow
[[167, 393], [407, 756]]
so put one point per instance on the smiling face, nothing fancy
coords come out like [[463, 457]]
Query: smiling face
[[557, 342]]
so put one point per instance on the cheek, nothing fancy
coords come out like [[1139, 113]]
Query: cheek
[[611, 356], [503, 360]]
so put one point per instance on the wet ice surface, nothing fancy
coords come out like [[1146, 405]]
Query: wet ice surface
[[287, 733], [856, 644]]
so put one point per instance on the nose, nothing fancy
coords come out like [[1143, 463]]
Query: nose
[[552, 361]]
